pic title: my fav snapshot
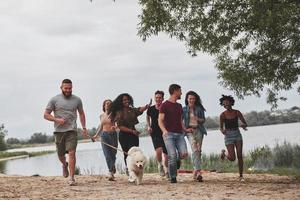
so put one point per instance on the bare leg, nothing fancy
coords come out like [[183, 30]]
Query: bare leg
[[239, 152], [165, 159], [230, 152], [183, 155], [158, 154], [65, 165], [62, 159], [72, 163]]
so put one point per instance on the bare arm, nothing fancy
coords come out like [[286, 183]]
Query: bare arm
[[244, 123], [128, 130], [142, 109], [222, 124], [99, 129], [161, 124], [148, 120], [186, 130], [49, 117], [82, 121]]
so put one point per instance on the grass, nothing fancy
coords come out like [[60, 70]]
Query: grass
[[283, 159]]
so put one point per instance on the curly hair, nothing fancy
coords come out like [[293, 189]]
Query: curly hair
[[226, 97], [117, 105], [198, 101]]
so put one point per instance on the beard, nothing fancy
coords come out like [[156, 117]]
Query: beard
[[67, 94]]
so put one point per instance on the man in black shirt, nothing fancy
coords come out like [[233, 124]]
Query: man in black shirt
[[156, 133]]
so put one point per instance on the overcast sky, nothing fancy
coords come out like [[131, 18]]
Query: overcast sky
[[96, 45]]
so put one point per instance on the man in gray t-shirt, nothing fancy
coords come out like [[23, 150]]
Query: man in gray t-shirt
[[65, 107]]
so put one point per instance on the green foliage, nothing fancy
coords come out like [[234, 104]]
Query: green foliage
[[283, 159], [13, 141], [40, 138], [286, 155], [3, 133], [256, 44], [262, 118], [262, 158]]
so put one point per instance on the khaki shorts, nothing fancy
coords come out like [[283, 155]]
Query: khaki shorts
[[65, 142]]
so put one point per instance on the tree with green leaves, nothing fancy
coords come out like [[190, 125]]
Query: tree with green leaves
[[3, 133], [256, 43]]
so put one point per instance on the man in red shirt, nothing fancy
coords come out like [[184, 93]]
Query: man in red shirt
[[170, 122]]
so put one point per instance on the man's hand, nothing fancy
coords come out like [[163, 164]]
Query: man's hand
[[85, 133], [60, 121], [165, 133]]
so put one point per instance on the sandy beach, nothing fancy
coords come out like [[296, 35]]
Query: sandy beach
[[223, 186]]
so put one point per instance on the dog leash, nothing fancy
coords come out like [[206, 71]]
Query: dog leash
[[93, 140]]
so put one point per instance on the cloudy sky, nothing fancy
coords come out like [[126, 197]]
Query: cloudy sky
[[96, 45]]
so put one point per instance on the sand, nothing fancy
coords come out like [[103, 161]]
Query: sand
[[221, 186]]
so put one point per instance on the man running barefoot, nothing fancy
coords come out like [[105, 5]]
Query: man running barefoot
[[65, 107]]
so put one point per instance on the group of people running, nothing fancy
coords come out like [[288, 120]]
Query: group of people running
[[167, 122]]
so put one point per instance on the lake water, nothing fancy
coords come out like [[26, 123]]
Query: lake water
[[90, 158]]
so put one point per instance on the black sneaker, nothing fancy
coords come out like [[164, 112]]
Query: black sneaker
[[173, 180], [178, 163]]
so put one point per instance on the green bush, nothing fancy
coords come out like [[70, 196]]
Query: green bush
[[283, 155], [261, 158]]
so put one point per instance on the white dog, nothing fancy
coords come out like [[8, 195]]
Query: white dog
[[136, 162]]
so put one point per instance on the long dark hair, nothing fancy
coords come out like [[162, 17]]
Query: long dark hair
[[198, 101], [226, 97], [117, 105]]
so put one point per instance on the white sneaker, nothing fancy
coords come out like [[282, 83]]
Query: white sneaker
[[131, 179], [241, 179]]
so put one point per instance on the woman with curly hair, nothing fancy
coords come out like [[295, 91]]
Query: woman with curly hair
[[233, 138], [125, 115], [194, 118]]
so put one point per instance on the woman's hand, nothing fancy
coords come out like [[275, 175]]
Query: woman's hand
[[223, 131], [149, 130], [95, 137], [200, 120], [135, 132], [244, 126], [189, 130], [113, 128]]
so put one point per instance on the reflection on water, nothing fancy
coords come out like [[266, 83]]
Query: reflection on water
[[90, 158]]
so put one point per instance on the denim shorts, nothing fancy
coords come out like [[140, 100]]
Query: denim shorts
[[231, 136]]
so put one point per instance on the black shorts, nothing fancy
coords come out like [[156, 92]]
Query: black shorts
[[158, 142]]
